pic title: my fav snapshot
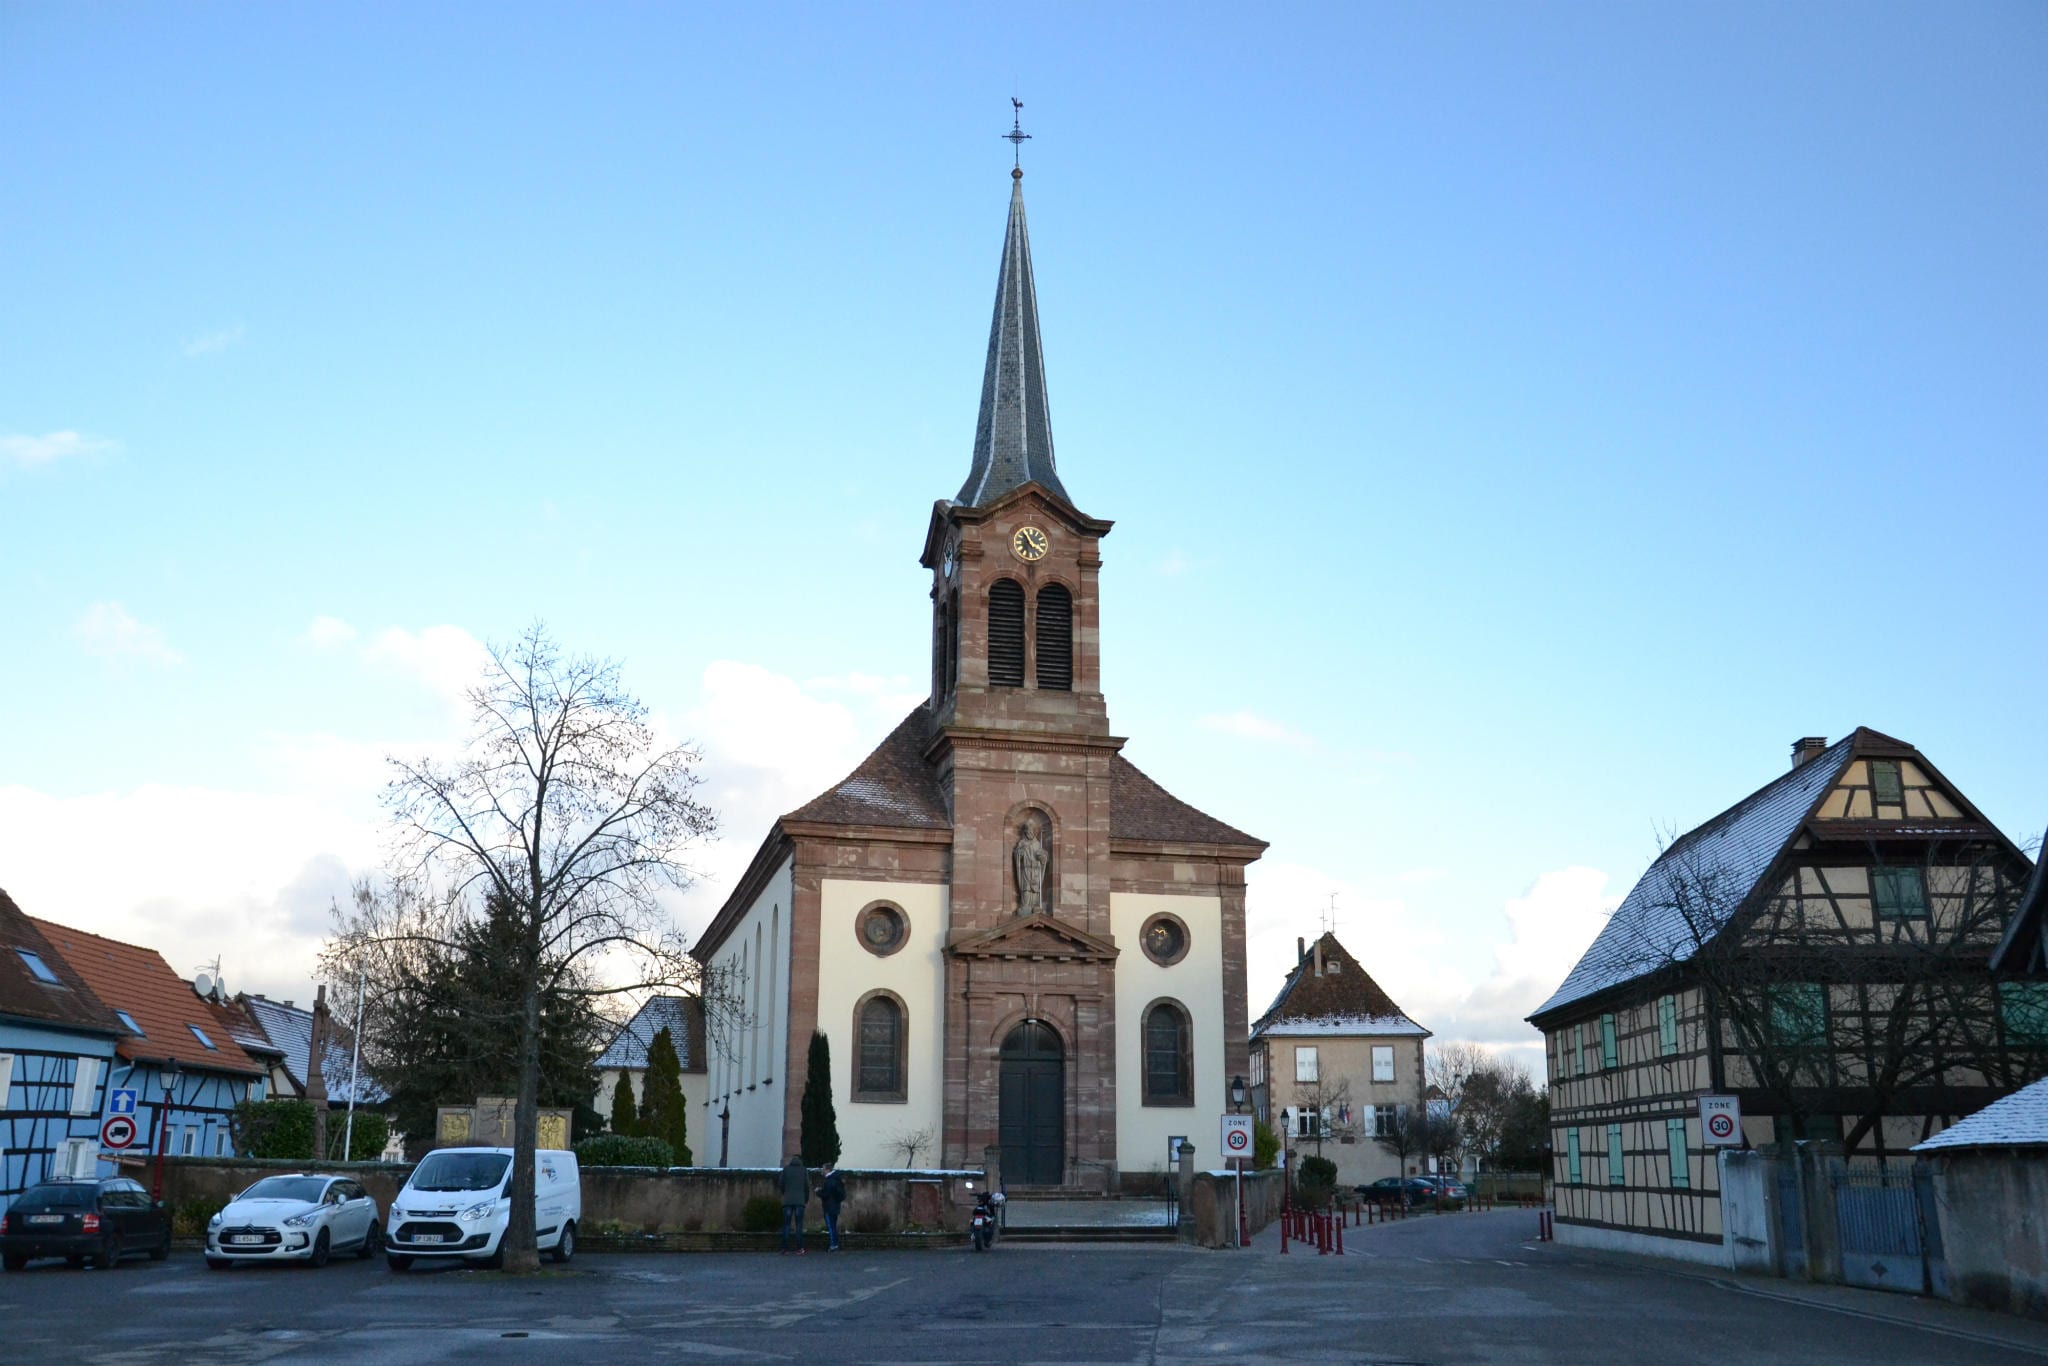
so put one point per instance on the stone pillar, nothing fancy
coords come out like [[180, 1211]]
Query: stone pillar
[[316, 1084], [1184, 1182], [992, 1166]]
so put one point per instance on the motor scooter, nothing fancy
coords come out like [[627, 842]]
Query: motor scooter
[[983, 1224]]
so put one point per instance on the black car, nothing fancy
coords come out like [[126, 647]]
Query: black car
[[104, 1220], [1406, 1190]]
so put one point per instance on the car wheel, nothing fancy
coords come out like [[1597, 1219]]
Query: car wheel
[[320, 1249], [496, 1261], [218, 1263], [565, 1246], [397, 1261], [109, 1255], [14, 1261], [373, 1238]]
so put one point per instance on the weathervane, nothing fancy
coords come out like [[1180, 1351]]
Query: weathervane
[[1016, 137]]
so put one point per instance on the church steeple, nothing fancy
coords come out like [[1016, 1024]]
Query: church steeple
[[1013, 436]]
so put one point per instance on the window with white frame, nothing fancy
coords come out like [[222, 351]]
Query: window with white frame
[[1305, 1068], [1308, 1123], [6, 1077], [75, 1159], [1382, 1062], [220, 1141], [190, 1145], [85, 1086]]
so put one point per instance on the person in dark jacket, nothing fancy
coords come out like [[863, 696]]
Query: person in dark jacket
[[796, 1193], [831, 1195]]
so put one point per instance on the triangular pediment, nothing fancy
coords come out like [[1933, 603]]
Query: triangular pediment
[[1034, 936]]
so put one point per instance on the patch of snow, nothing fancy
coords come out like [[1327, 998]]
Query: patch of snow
[[2018, 1121], [1343, 1024]]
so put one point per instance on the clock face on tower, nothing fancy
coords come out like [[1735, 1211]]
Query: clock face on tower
[[1029, 544], [952, 556]]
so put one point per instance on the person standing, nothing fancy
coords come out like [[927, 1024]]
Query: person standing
[[831, 1195], [796, 1193]]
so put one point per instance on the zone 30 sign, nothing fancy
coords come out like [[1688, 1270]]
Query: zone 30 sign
[[1721, 1121], [1237, 1135]]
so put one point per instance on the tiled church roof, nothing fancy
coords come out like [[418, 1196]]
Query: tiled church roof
[[1013, 436], [1342, 999], [893, 786], [896, 787]]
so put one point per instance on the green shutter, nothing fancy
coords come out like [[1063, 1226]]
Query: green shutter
[[1667, 1024], [1885, 786], [1571, 1155], [2025, 1007], [1579, 1048], [1899, 893], [1615, 1172], [1609, 1055], [1799, 1015], [1674, 1139]]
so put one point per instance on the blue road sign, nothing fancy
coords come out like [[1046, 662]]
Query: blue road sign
[[121, 1101]]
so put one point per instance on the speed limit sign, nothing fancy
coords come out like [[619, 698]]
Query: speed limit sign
[[118, 1131], [1721, 1120], [1237, 1135]]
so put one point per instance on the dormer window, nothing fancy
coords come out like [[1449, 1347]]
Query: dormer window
[[38, 968], [128, 1023]]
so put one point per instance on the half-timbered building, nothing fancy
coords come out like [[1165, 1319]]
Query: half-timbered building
[[1821, 951]]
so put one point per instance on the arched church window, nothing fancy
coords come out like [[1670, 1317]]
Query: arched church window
[[1169, 1055], [1055, 638], [1006, 634], [880, 1037]]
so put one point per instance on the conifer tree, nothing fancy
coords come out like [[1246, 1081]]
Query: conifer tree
[[625, 1113], [663, 1113], [819, 1143]]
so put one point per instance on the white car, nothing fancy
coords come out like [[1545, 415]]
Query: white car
[[300, 1217], [457, 1204]]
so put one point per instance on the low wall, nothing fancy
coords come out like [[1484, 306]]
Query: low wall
[[634, 1200], [1993, 1207], [1212, 1205], [1640, 1244]]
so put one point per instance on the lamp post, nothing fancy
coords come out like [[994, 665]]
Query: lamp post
[[1237, 1108], [168, 1078]]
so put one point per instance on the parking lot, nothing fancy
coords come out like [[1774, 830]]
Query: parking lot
[[1455, 1289]]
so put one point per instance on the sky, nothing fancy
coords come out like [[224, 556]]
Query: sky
[[1521, 423]]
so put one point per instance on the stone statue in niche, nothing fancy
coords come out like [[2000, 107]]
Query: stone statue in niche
[[1030, 858]]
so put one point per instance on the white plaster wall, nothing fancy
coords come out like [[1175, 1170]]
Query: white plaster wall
[[1196, 981], [745, 1065], [917, 973], [1640, 1244]]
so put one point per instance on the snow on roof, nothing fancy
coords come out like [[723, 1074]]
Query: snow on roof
[[1333, 1025], [2018, 1121], [1730, 853], [290, 1030]]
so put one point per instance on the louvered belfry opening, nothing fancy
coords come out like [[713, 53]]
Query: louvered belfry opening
[[1006, 634], [1055, 638]]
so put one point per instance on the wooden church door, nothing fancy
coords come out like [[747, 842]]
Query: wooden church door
[[1032, 1119]]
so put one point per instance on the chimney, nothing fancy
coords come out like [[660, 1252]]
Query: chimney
[[1300, 950], [1319, 957], [1807, 747]]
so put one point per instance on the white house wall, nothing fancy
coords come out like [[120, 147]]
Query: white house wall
[[744, 1059], [917, 974], [1196, 981]]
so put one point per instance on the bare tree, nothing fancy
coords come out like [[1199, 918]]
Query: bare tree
[[908, 1143], [565, 811], [1449, 1064]]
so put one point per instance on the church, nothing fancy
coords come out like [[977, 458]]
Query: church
[[1010, 936]]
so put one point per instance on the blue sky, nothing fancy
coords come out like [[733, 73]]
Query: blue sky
[[1521, 422]]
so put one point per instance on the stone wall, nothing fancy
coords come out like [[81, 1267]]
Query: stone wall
[[1993, 1208], [1212, 1205], [644, 1200]]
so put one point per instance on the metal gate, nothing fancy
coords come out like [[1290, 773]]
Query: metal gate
[[1878, 1214]]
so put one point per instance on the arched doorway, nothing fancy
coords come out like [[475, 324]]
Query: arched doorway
[[1033, 1116]]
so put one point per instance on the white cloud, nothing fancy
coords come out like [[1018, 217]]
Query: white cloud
[[1175, 563], [110, 631], [28, 452], [207, 343], [447, 659], [328, 633], [1249, 725]]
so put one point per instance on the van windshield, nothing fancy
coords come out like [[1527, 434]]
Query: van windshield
[[460, 1172]]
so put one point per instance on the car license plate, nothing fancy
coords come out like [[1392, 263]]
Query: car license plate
[[46, 1218], [428, 1238], [246, 1238]]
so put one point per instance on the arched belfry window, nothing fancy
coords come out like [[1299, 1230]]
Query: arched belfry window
[[1006, 634], [942, 635], [1169, 1055], [1055, 638], [880, 1038], [953, 641]]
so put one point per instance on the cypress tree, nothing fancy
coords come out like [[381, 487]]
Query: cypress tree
[[663, 1113], [820, 1141], [625, 1114]]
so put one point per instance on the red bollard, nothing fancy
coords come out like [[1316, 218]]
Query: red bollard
[[1284, 1221], [1340, 1237]]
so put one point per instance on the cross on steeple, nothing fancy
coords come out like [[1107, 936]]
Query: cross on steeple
[[1017, 137]]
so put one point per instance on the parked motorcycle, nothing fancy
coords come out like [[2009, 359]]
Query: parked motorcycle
[[983, 1224]]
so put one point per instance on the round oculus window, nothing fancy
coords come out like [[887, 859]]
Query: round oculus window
[[1164, 939], [882, 929]]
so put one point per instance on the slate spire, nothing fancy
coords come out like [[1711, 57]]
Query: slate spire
[[1013, 436]]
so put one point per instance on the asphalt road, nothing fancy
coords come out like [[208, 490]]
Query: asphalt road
[[1444, 1291]]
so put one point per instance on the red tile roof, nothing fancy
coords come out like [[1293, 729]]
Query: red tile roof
[[24, 996], [1342, 991], [135, 979]]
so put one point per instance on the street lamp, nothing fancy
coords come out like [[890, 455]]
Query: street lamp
[[167, 1076], [1237, 1107], [1237, 1095]]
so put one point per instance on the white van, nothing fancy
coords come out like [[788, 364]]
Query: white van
[[456, 1204]]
